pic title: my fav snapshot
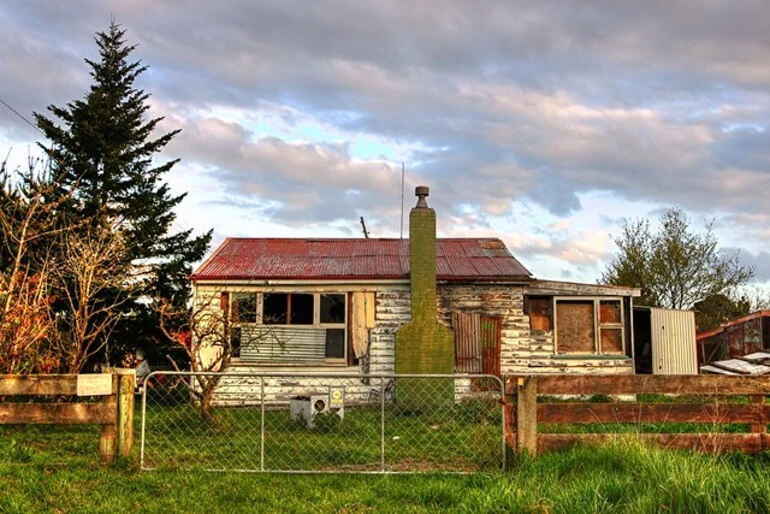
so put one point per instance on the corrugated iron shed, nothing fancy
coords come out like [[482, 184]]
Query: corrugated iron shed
[[337, 259], [750, 333]]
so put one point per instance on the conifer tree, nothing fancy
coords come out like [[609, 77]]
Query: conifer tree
[[102, 150]]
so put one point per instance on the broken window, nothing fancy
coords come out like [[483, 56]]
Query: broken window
[[538, 308], [589, 326], [245, 307], [299, 327], [332, 308]]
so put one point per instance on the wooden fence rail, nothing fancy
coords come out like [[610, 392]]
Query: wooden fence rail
[[524, 413], [115, 413]]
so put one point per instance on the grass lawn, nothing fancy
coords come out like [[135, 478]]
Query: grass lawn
[[465, 436], [52, 469]]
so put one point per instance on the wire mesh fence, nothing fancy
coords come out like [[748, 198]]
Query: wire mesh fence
[[323, 422]]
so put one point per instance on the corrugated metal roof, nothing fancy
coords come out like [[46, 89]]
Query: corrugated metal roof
[[731, 323], [328, 259]]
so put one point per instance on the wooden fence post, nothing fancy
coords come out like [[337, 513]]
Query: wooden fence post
[[526, 415], [107, 442], [759, 428], [125, 406]]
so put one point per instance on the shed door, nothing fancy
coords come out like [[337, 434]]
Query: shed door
[[673, 342]]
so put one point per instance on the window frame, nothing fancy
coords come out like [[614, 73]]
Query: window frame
[[598, 326], [317, 324]]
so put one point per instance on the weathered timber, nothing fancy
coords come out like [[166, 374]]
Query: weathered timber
[[125, 409], [645, 384], [116, 418], [526, 415], [715, 413], [708, 443], [760, 425], [38, 385], [57, 413], [108, 443]]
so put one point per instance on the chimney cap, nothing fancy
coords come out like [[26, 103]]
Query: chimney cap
[[421, 192]]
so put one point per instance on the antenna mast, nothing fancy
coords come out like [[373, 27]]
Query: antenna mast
[[401, 234]]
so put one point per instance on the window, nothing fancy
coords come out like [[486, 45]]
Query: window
[[589, 326], [538, 308], [294, 327], [245, 307]]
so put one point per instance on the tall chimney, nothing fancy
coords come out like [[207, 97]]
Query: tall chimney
[[423, 345], [422, 257]]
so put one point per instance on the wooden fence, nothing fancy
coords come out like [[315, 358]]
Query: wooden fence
[[525, 413], [115, 413]]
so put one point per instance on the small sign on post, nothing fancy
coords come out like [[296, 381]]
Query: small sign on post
[[98, 384]]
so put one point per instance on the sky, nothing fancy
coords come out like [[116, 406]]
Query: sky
[[545, 123]]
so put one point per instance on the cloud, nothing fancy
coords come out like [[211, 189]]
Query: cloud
[[298, 114]]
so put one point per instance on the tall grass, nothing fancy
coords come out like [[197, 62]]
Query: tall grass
[[44, 469]]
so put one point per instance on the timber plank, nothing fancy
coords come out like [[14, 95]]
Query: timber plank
[[709, 443], [650, 413], [647, 384], [38, 385], [57, 413]]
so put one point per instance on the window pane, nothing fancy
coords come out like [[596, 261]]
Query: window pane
[[612, 340], [575, 327], [332, 308], [235, 341], [274, 308], [609, 312], [301, 309], [335, 343], [245, 308], [539, 313]]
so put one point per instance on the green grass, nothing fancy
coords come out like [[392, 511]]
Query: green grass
[[463, 437], [45, 469]]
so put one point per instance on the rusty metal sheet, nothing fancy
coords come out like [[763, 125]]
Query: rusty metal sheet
[[276, 258], [491, 335], [467, 327]]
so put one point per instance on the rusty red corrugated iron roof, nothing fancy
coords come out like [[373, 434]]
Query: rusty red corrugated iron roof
[[334, 259], [721, 328]]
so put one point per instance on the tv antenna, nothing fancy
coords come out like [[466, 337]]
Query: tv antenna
[[401, 233]]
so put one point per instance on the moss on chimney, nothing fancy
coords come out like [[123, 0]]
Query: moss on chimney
[[424, 345]]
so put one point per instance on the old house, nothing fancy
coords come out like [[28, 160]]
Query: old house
[[355, 305]]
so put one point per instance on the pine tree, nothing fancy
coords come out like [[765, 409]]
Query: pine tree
[[102, 154]]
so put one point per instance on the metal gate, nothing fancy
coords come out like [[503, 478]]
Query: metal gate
[[320, 423]]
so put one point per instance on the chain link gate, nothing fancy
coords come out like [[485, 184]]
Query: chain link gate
[[316, 423]]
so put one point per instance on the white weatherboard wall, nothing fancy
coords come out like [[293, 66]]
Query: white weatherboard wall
[[673, 342], [522, 350]]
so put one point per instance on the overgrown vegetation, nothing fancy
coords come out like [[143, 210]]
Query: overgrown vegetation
[[58, 470]]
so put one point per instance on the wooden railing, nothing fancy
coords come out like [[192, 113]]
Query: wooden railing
[[115, 413], [525, 413]]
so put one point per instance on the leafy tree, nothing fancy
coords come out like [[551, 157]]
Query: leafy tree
[[103, 150], [675, 267], [711, 312]]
